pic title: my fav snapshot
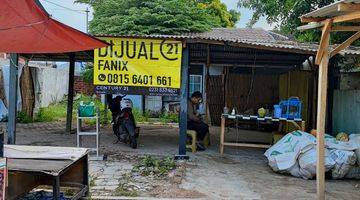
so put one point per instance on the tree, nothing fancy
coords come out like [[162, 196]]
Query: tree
[[285, 15], [158, 16], [217, 8]]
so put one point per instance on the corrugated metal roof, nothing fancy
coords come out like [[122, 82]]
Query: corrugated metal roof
[[221, 34], [329, 10], [257, 38]]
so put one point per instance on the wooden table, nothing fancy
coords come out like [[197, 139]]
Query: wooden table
[[26, 174], [298, 123]]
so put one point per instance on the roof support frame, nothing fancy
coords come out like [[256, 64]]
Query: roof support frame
[[348, 7], [322, 59], [345, 44], [323, 42]]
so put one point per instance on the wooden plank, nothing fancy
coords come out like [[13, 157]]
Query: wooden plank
[[321, 114], [348, 7], [345, 28], [206, 89], [247, 145], [311, 19], [319, 22], [345, 44], [347, 17], [20, 183], [51, 167], [324, 37], [312, 25], [222, 135]]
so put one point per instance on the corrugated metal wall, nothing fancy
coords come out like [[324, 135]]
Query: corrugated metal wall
[[346, 111]]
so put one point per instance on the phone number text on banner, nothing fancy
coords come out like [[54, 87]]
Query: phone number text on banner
[[138, 63]]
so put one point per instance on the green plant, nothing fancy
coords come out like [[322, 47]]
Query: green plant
[[150, 165], [121, 190], [51, 113], [88, 73], [140, 117], [92, 181], [22, 117], [169, 117], [285, 15]]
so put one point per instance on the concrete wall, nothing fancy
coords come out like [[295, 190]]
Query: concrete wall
[[51, 85], [350, 81], [153, 104]]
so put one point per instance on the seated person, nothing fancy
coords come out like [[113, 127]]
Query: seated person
[[195, 122]]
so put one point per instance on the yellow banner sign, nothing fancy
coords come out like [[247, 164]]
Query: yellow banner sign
[[138, 62]]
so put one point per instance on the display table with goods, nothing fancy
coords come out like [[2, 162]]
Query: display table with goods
[[289, 113], [58, 167]]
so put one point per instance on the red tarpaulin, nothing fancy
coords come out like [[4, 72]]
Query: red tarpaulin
[[25, 27]]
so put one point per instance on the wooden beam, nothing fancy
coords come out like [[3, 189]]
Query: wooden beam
[[310, 26], [348, 7], [321, 115], [345, 44], [265, 146], [324, 37], [311, 19], [347, 17], [316, 23], [345, 28]]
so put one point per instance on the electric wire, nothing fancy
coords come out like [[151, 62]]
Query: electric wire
[[78, 11]]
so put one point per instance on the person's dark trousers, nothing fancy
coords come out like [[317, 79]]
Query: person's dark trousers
[[200, 127]]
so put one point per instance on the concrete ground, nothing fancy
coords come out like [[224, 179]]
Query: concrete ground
[[240, 173]]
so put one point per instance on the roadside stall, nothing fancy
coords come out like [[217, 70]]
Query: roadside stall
[[240, 70], [341, 16], [27, 30]]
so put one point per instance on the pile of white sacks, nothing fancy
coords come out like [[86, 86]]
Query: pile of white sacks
[[295, 154]]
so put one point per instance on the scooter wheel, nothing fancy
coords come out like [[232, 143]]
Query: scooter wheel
[[133, 142]]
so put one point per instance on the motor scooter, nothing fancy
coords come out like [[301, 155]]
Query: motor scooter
[[123, 124]]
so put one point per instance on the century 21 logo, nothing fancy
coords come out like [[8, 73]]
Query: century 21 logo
[[141, 50]]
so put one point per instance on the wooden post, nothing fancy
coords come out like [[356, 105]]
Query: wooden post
[[13, 86], [70, 93], [207, 85], [183, 104], [321, 111], [222, 134]]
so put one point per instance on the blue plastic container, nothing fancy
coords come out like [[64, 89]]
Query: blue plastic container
[[277, 111], [291, 108]]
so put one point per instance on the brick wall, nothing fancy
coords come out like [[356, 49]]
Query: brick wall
[[82, 87]]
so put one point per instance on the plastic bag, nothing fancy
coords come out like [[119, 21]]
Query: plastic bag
[[86, 110]]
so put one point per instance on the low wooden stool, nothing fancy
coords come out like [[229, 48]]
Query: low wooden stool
[[192, 145]]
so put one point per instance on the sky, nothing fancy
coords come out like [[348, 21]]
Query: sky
[[74, 15]]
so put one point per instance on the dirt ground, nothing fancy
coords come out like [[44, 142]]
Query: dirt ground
[[240, 173]]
